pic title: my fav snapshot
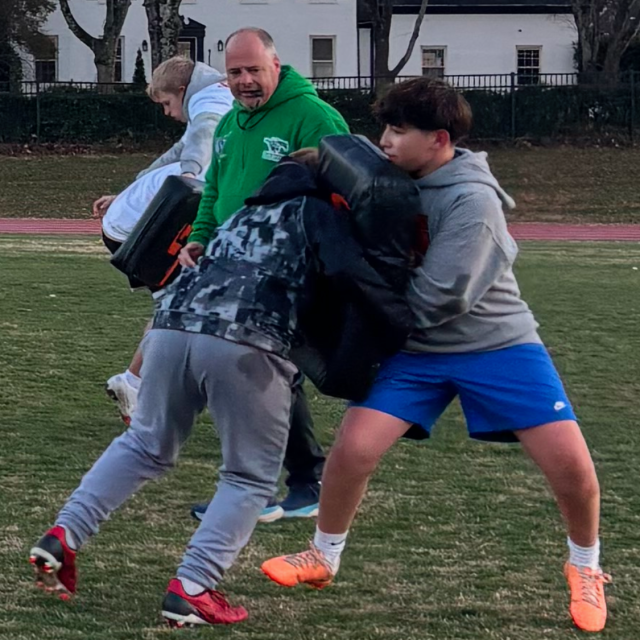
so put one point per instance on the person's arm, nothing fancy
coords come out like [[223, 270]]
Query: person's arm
[[172, 155], [318, 123], [205, 223], [198, 143], [464, 259]]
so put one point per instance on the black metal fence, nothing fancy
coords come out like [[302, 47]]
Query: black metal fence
[[505, 106], [481, 82], [33, 88]]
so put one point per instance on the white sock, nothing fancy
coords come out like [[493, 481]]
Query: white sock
[[132, 379], [331, 545], [69, 537], [190, 587], [584, 556]]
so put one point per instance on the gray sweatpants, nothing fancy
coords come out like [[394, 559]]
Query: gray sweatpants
[[247, 391]]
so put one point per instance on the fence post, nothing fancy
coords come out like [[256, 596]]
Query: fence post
[[632, 115], [513, 105], [38, 119]]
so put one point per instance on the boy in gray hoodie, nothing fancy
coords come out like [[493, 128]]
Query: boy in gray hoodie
[[189, 92], [475, 338]]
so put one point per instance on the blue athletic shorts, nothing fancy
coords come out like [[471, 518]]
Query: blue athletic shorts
[[500, 391]]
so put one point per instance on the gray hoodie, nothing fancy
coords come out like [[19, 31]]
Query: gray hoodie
[[465, 295], [205, 101]]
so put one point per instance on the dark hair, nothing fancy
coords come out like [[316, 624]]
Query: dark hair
[[427, 104], [263, 36]]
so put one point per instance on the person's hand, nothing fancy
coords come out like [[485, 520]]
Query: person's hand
[[189, 175], [309, 156], [190, 253], [101, 205]]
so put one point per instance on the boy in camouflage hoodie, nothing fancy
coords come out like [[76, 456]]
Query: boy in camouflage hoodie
[[221, 338]]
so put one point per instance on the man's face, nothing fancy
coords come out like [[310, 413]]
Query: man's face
[[411, 149], [171, 103], [253, 71]]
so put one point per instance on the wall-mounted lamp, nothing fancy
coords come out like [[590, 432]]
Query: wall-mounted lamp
[[220, 45], [145, 46]]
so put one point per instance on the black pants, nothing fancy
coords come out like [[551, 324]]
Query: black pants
[[303, 459]]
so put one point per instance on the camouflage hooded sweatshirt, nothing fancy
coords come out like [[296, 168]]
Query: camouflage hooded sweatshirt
[[266, 258]]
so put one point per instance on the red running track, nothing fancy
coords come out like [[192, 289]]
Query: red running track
[[519, 230]]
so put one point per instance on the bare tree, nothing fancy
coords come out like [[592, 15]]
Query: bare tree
[[104, 47], [164, 28], [380, 15], [22, 21], [606, 28]]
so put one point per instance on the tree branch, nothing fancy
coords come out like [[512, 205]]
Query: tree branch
[[76, 29], [414, 37]]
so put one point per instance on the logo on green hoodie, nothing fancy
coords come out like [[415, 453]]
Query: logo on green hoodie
[[277, 148]]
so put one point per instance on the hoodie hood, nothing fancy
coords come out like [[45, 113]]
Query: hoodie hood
[[290, 85], [290, 179], [466, 167], [203, 76]]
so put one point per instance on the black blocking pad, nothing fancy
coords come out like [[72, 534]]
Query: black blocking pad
[[344, 341], [384, 200], [150, 253]]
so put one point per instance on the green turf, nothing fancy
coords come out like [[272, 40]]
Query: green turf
[[456, 540], [561, 184]]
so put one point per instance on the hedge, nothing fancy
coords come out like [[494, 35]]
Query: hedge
[[530, 112]]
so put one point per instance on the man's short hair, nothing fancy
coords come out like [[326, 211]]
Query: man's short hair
[[169, 76], [263, 36], [426, 104]]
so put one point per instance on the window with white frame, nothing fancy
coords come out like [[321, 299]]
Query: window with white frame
[[433, 61], [46, 60], [118, 67], [323, 50], [528, 61]]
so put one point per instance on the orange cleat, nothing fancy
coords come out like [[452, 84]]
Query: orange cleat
[[309, 567], [588, 606]]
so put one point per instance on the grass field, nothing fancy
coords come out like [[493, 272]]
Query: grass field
[[563, 184], [455, 541]]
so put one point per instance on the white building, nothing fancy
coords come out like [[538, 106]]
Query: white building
[[462, 37], [299, 27], [331, 38]]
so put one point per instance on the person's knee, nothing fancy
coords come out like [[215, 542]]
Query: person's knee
[[356, 456], [559, 449], [580, 481], [147, 445]]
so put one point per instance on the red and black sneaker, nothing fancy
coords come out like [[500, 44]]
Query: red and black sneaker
[[209, 607], [55, 563]]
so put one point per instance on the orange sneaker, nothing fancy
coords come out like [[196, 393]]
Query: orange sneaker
[[309, 567], [588, 606]]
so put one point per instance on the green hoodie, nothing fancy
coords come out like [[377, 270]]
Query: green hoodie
[[248, 144]]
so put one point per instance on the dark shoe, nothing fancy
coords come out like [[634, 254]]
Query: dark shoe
[[302, 501], [272, 512]]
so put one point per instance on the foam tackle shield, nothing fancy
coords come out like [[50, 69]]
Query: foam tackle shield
[[150, 253], [384, 201]]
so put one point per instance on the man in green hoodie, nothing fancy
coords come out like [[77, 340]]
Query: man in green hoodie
[[276, 112]]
